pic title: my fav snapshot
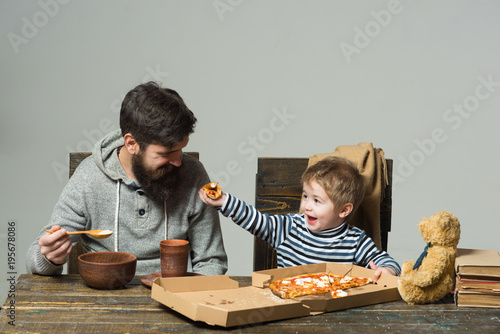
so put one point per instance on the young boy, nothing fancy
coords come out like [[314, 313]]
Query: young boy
[[333, 188]]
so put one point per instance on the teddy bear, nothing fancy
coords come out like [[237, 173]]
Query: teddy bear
[[432, 276]]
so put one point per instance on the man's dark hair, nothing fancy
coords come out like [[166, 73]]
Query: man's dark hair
[[155, 115]]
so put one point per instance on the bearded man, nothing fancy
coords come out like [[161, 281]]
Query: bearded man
[[140, 185]]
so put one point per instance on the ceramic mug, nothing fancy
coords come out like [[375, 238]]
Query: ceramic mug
[[174, 257]]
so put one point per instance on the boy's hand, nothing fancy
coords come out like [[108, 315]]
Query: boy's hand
[[56, 246], [212, 202], [380, 270]]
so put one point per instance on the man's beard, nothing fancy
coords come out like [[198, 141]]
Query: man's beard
[[159, 184]]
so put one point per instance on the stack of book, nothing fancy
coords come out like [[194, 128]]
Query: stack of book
[[478, 278]]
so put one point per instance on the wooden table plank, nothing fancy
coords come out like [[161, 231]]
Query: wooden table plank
[[64, 304]]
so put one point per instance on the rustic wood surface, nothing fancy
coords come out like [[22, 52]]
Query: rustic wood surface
[[64, 304], [278, 190]]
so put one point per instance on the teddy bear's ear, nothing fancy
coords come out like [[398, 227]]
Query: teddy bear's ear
[[453, 231], [422, 223]]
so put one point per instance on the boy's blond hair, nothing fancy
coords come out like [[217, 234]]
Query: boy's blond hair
[[340, 179]]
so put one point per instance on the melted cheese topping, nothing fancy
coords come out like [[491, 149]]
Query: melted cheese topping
[[321, 284], [339, 293], [346, 279]]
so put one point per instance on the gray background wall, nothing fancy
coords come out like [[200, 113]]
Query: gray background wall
[[287, 78]]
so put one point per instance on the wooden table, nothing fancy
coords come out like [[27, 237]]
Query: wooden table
[[61, 304]]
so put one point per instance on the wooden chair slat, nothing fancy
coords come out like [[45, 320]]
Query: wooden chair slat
[[280, 176]]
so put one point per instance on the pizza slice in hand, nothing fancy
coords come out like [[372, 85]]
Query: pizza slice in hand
[[213, 190]]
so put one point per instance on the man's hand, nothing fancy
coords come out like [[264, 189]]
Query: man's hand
[[380, 270], [212, 202], [56, 246]]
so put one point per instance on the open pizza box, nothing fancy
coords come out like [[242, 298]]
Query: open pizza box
[[384, 290], [218, 300]]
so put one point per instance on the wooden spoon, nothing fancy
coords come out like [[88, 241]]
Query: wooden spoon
[[96, 234]]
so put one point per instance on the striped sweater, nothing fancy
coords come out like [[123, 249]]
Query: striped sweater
[[296, 245]]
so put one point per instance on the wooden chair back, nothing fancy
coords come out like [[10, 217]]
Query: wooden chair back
[[75, 158], [279, 191]]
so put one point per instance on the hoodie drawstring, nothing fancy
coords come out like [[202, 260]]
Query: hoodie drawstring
[[116, 213], [166, 223]]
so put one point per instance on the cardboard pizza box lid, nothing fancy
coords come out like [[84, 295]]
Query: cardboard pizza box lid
[[217, 300]]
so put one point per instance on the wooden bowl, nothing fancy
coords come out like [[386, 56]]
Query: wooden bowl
[[107, 270]]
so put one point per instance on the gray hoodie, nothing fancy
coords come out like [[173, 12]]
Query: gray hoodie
[[99, 195]]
